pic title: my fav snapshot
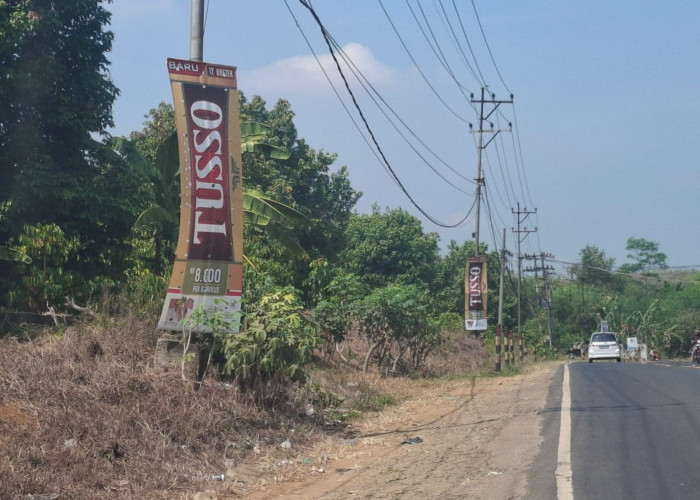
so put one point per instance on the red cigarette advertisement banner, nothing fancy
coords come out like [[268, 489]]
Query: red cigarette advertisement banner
[[208, 268], [476, 294]]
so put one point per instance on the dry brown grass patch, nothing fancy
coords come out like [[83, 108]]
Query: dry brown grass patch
[[87, 415]]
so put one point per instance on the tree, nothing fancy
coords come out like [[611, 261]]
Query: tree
[[294, 207], [159, 125], [161, 189], [395, 321], [390, 247], [54, 92], [645, 254], [45, 282], [335, 296], [304, 181], [594, 268]]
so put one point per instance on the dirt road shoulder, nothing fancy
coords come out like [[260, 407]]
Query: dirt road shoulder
[[459, 439]]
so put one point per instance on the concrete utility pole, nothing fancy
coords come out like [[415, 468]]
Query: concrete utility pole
[[521, 216], [481, 146], [197, 31], [499, 328], [546, 292]]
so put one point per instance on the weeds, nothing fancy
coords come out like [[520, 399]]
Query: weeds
[[86, 415]]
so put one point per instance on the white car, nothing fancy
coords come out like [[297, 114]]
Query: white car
[[604, 345]]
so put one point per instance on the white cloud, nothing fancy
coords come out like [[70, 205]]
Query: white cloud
[[302, 75]]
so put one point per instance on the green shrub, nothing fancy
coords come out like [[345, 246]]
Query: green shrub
[[269, 352]]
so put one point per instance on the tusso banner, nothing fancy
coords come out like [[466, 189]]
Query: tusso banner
[[208, 268], [476, 293]]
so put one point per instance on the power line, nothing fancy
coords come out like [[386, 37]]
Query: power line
[[481, 80], [437, 51], [367, 84], [446, 19], [487, 46], [330, 82], [417, 66], [372, 92], [425, 25], [393, 174]]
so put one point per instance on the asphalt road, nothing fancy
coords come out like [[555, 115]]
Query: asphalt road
[[635, 432]]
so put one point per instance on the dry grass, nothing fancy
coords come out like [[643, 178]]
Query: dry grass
[[87, 415]]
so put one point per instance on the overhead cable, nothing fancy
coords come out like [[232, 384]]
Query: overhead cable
[[418, 68], [385, 161], [478, 20]]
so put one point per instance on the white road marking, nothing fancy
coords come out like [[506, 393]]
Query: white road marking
[[565, 487]]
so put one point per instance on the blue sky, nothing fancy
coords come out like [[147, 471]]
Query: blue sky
[[605, 143]]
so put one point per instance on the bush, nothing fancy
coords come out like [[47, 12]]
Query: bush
[[269, 352]]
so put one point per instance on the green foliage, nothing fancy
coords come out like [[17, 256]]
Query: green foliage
[[145, 291], [254, 136], [159, 125], [450, 321], [645, 256], [13, 255], [46, 282], [394, 319], [594, 268], [335, 310], [390, 247], [160, 191], [55, 92], [274, 343], [266, 346], [304, 181]]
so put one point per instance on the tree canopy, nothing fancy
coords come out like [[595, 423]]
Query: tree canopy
[[55, 94], [595, 268], [645, 256], [390, 247], [82, 217]]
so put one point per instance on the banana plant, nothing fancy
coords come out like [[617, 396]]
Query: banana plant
[[259, 210], [14, 256], [254, 136], [162, 174]]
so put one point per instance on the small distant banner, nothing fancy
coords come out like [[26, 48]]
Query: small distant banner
[[476, 293], [208, 268]]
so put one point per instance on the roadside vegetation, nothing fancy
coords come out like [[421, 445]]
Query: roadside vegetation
[[342, 310], [85, 412]]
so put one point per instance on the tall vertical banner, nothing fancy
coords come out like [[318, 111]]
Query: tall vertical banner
[[208, 268], [476, 294]]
